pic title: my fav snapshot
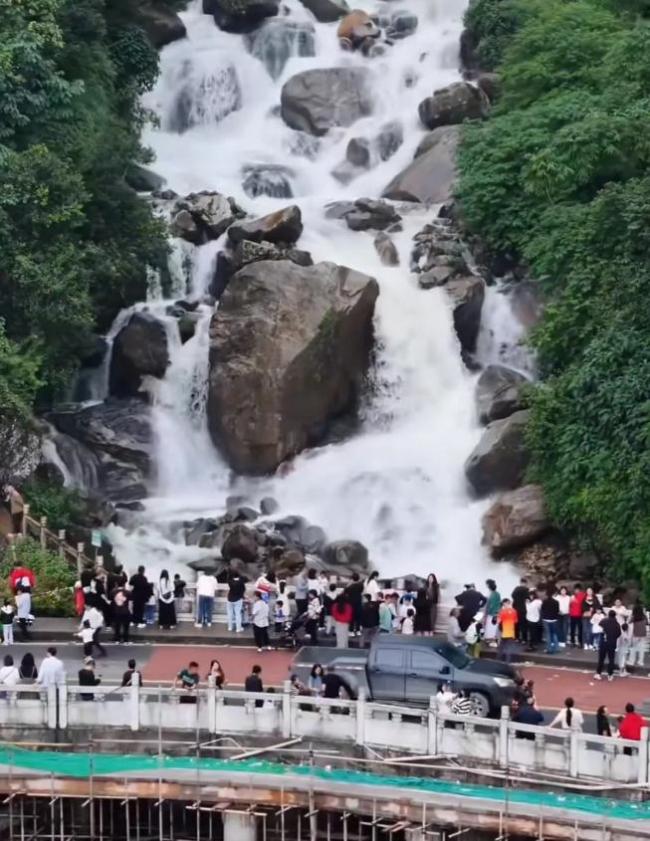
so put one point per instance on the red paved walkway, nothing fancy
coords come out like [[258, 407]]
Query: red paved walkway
[[166, 661], [552, 686]]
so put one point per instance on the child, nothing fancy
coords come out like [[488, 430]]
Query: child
[[408, 622], [179, 593], [623, 649], [87, 636], [596, 630], [473, 636], [7, 613], [280, 617]]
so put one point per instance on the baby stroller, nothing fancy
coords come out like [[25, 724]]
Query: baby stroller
[[293, 633]]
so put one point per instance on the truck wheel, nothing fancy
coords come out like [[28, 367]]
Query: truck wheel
[[480, 704]]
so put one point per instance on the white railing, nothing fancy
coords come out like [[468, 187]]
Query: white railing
[[408, 730]]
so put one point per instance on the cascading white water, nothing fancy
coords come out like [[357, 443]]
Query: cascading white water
[[398, 484]]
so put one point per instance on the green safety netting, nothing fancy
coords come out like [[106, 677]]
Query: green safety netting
[[87, 764]]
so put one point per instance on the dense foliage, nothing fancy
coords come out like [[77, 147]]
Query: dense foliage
[[53, 594], [560, 177], [61, 506], [75, 240]]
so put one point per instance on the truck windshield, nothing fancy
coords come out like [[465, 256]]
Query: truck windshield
[[452, 654]]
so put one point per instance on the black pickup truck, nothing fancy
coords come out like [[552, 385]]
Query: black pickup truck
[[408, 670]]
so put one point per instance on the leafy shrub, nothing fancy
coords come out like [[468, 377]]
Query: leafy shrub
[[61, 506]]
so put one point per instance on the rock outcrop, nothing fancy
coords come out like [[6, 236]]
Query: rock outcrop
[[500, 459], [432, 174], [326, 11], [240, 16], [498, 393], [453, 105], [139, 350], [467, 295], [278, 39], [515, 519], [197, 217], [289, 352], [282, 226], [315, 101], [268, 180], [161, 24]]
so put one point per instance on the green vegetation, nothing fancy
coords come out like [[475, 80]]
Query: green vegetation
[[53, 594], [61, 506], [75, 240], [559, 176]]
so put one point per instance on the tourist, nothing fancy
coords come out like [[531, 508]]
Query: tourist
[[314, 581], [130, 673], [86, 634], [444, 698], [354, 593], [422, 622], [455, 635], [563, 600], [9, 675], [568, 718], [603, 726], [16, 508], [7, 616], [314, 610], [406, 599], [385, 615], [316, 679], [333, 683], [253, 683], [597, 617], [235, 601], [206, 589], [550, 614], [508, 621], [115, 579], [187, 680], [433, 595], [150, 606], [462, 704], [371, 586], [342, 616], [519, 601], [266, 585], [492, 609], [608, 643], [24, 611], [638, 645], [95, 620], [589, 604], [28, 671], [369, 620], [329, 597], [323, 582], [301, 585], [473, 637], [533, 620], [217, 674], [21, 576], [140, 592], [621, 611], [632, 724], [79, 599], [623, 649], [575, 616], [87, 677], [166, 605], [261, 622], [280, 617], [528, 713], [470, 601], [121, 616], [52, 670], [408, 623], [179, 593]]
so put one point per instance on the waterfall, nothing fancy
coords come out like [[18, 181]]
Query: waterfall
[[397, 484]]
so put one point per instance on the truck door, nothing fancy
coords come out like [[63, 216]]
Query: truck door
[[425, 671], [386, 672]]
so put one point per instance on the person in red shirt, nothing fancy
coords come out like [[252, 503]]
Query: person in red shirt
[[22, 576], [342, 614], [632, 724], [575, 616]]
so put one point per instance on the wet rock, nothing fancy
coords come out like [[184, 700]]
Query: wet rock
[[268, 180], [500, 459], [304, 145], [288, 563], [223, 271], [198, 217], [139, 350], [389, 139], [161, 24], [490, 84], [346, 556], [467, 294], [453, 105], [276, 41], [246, 514], [435, 276], [318, 100], [247, 252], [355, 29], [371, 214], [498, 393], [386, 249], [269, 505], [240, 543], [358, 152], [187, 326], [326, 11], [143, 179], [339, 209], [281, 226], [240, 16], [205, 100], [515, 519], [401, 25], [184, 226], [432, 175], [93, 352], [289, 351]]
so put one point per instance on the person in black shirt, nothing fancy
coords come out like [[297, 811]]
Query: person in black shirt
[[369, 620], [608, 642], [519, 599], [550, 613], [127, 677], [470, 602], [354, 595], [253, 683], [87, 677], [528, 714], [187, 680], [235, 601], [603, 726], [333, 683], [140, 592]]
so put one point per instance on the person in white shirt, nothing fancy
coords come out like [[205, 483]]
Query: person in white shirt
[[371, 587], [9, 674], [622, 613], [206, 589], [534, 621], [569, 718], [52, 670], [444, 699], [596, 627], [563, 598], [314, 610], [261, 623], [408, 622]]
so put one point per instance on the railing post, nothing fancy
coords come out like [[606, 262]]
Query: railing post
[[504, 736], [286, 710], [25, 516], [212, 705], [80, 553], [41, 534], [643, 757], [51, 701], [361, 717], [134, 701], [61, 542], [432, 727], [62, 689], [574, 748]]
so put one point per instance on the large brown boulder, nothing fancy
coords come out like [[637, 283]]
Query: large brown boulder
[[432, 175], [499, 393], [467, 294], [289, 350], [161, 24], [281, 226], [139, 350], [500, 459], [317, 100], [515, 519], [453, 105]]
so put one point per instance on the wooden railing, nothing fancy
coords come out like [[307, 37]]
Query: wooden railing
[[38, 530]]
